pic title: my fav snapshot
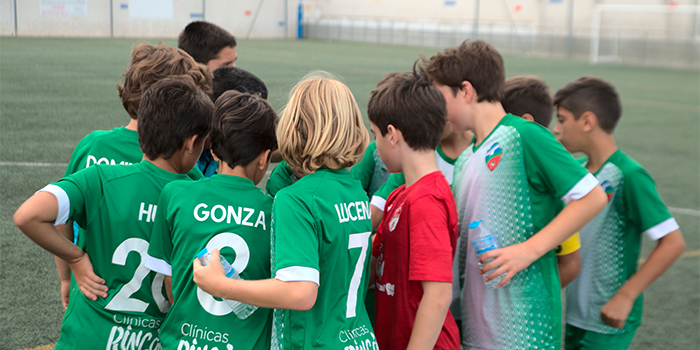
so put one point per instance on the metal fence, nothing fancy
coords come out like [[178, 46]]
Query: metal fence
[[643, 48]]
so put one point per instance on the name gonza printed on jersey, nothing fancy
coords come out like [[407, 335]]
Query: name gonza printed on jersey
[[352, 211], [239, 215]]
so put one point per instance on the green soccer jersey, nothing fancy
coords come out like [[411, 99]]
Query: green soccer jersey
[[513, 181], [281, 177], [116, 204], [370, 170], [223, 212], [322, 234], [610, 243], [444, 163]]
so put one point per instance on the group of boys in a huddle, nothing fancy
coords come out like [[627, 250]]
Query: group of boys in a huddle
[[456, 228]]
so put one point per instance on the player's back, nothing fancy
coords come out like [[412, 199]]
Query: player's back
[[118, 208], [323, 223], [223, 212]]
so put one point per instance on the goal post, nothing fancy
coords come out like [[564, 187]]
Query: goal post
[[607, 18]]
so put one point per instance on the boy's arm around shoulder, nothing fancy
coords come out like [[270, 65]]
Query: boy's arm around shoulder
[[36, 218], [269, 293]]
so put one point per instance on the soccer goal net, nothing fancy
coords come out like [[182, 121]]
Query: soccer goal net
[[645, 33]]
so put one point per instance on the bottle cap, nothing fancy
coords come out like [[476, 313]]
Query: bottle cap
[[202, 253], [474, 224]]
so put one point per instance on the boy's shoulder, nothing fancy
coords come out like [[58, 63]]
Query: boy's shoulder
[[430, 188], [525, 127], [103, 135]]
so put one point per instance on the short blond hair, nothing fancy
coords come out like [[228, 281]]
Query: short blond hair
[[321, 126]]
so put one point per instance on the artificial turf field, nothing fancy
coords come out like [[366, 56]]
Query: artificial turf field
[[55, 91]]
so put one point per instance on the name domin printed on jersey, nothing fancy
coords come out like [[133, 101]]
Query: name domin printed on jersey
[[103, 160], [353, 211]]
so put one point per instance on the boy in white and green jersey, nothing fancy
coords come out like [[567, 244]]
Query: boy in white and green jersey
[[321, 229], [121, 302], [604, 304], [227, 212], [512, 177]]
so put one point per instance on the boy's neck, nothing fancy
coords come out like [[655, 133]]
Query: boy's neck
[[165, 164], [238, 170], [453, 145], [133, 124], [599, 151], [487, 115], [417, 164]]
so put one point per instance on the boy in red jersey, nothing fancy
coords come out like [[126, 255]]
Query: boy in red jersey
[[415, 242]]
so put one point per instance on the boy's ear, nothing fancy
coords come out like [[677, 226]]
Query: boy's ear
[[213, 155], [189, 144], [589, 121], [469, 92], [394, 135], [264, 159], [528, 116]]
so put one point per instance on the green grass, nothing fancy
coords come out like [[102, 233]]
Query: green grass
[[55, 91]]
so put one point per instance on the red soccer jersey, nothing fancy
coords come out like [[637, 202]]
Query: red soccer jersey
[[415, 242]]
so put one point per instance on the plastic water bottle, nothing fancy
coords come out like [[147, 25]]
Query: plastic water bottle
[[241, 310], [485, 242]]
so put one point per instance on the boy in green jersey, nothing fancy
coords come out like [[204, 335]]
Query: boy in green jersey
[[604, 304], [527, 96], [122, 302], [227, 212], [321, 228], [149, 64], [512, 177]]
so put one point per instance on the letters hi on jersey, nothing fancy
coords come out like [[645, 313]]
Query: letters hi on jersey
[[353, 211]]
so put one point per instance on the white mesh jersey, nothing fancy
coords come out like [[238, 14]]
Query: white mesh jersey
[[513, 181], [610, 243]]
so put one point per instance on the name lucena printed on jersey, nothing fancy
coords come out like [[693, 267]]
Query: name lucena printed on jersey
[[609, 189], [353, 211], [91, 160], [144, 337], [493, 156]]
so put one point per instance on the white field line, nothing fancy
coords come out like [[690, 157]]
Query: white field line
[[685, 211], [45, 165]]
